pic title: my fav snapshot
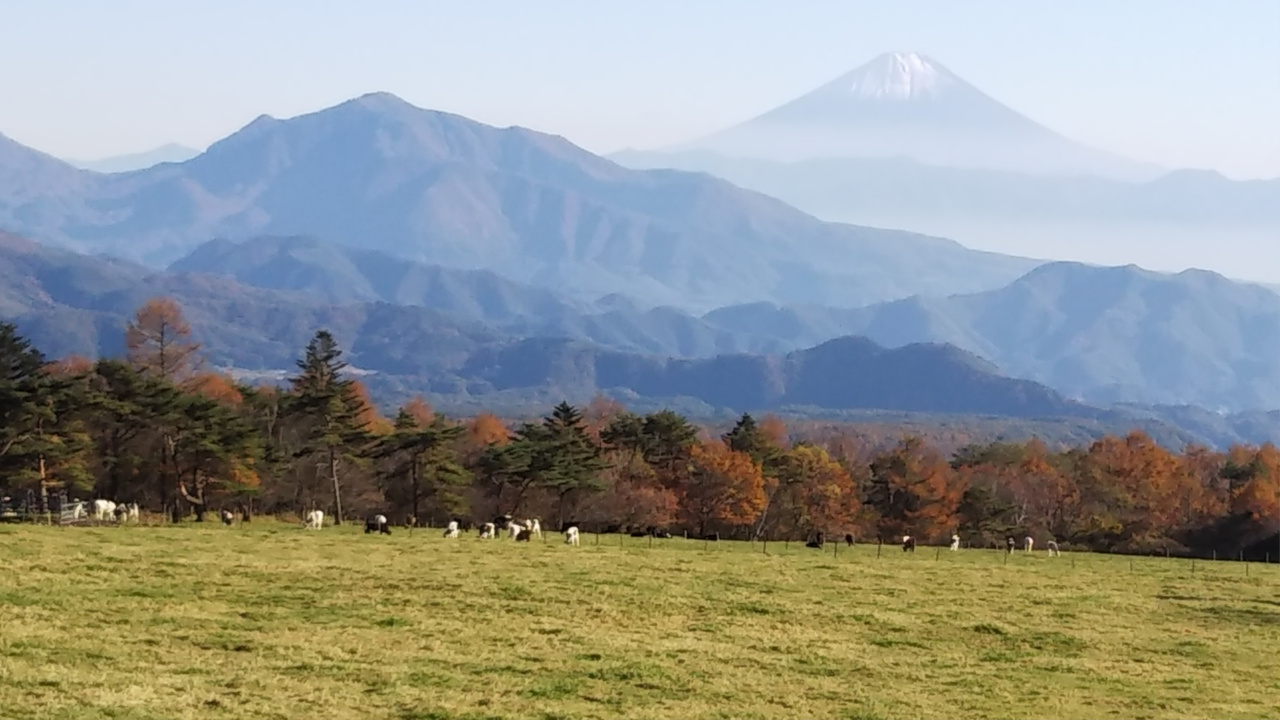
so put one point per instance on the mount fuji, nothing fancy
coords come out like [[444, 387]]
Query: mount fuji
[[906, 104]]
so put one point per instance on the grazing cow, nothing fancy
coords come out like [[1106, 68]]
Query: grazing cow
[[227, 517], [488, 530], [451, 531], [1009, 545], [848, 539], [378, 524], [908, 543], [103, 510], [515, 529], [1053, 549], [571, 535], [1027, 543], [315, 520], [533, 527], [638, 533], [816, 542], [502, 521], [955, 542], [524, 535]]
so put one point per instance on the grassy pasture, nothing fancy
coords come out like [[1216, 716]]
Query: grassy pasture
[[270, 621]]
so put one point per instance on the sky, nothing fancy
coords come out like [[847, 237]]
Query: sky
[[1183, 83]]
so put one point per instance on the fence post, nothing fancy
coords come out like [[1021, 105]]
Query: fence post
[[937, 552], [1215, 555], [879, 544]]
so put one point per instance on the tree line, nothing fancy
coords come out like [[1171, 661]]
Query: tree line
[[158, 428]]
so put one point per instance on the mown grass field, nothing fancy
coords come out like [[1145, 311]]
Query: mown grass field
[[270, 621]]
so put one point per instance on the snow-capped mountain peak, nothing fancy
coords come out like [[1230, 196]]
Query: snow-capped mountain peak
[[898, 76]]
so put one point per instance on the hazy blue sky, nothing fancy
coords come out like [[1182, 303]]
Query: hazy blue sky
[[1190, 83]]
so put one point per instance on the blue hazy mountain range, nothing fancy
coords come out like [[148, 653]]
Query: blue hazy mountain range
[[903, 142], [499, 344], [1101, 334], [171, 152], [380, 174]]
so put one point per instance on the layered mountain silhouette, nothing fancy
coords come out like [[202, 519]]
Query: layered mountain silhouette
[[908, 104], [1105, 334], [138, 161], [69, 303], [380, 174]]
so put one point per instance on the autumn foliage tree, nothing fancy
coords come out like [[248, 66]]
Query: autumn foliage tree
[[159, 341], [726, 488]]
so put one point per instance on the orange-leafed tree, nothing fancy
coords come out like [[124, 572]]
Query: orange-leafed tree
[[829, 497], [367, 413], [217, 386], [419, 411], [726, 488], [1259, 494], [914, 491], [158, 341], [70, 366]]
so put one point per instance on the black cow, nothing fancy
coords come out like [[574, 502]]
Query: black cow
[[227, 517], [378, 524], [848, 539], [816, 542], [908, 544]]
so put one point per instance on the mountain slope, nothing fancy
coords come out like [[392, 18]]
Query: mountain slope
[[380, 174], [1103, 334], [341, 275], [907, 104]]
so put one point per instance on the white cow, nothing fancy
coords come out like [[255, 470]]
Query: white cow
[[571, 536], [515, 529], [104, 510], [78, 511], [1053, 549], [488, 530], [1027, 542], [315, 520], [534, 527], [134, 512], [955, 542], [451, 531]]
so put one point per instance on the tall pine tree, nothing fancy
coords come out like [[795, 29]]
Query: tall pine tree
[[329, 410]]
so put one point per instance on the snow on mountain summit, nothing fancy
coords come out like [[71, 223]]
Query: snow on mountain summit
[[897, 76]]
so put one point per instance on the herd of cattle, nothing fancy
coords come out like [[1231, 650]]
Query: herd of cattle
[[519, 530]]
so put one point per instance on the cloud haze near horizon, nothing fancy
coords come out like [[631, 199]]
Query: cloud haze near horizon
[[86, 81]]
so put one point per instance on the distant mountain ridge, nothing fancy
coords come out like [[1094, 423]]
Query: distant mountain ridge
[[171, 152], [380, 174], [1103, 334], [68, 303], [1106, 334]]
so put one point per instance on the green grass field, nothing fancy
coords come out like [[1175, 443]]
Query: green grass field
[[270, 621]]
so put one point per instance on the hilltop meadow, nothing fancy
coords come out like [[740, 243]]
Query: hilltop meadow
[[268, 620]]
